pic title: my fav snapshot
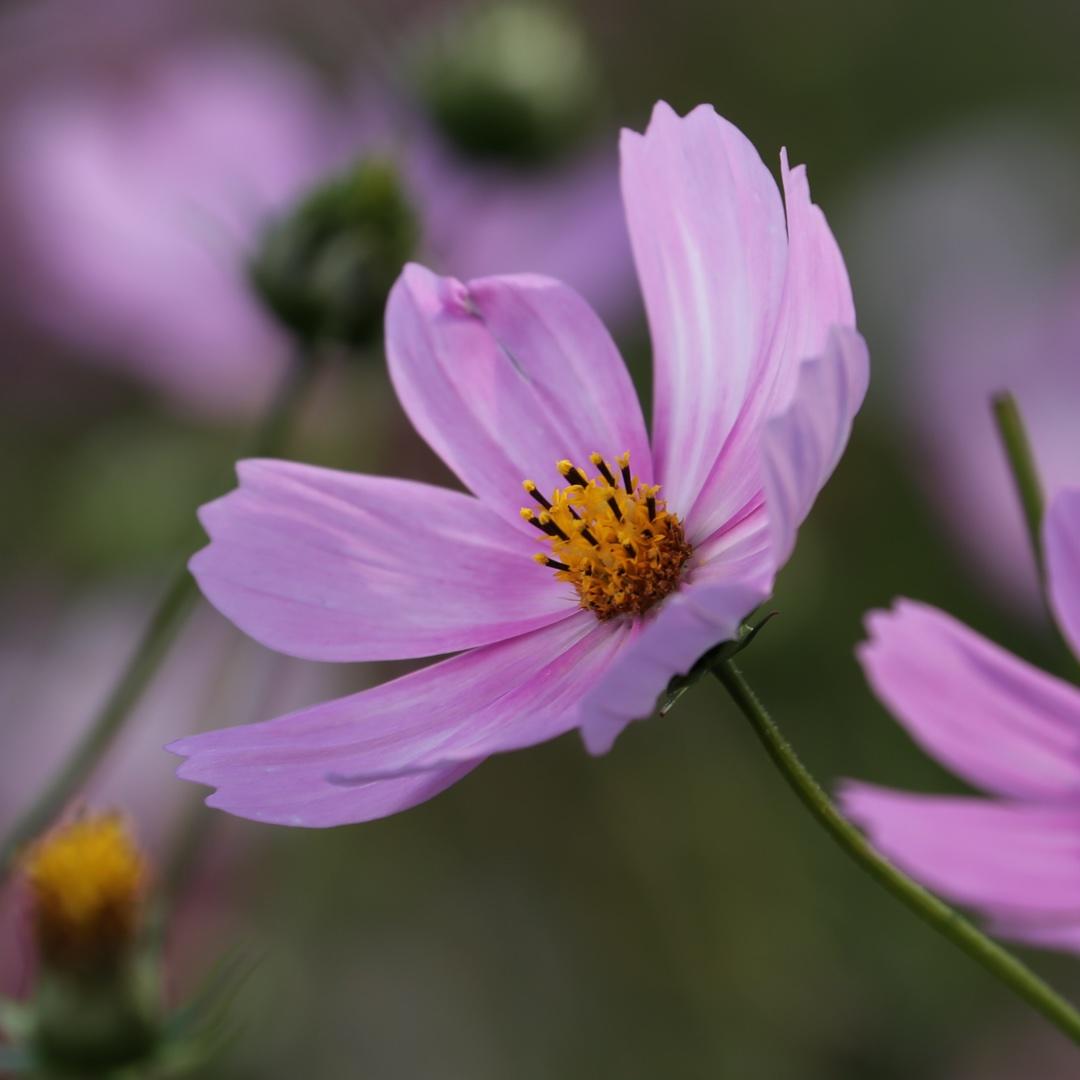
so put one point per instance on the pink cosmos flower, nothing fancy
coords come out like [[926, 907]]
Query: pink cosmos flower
[[649, 554], [1002, 725]]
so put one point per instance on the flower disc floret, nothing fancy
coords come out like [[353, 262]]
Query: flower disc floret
[[612, 538]]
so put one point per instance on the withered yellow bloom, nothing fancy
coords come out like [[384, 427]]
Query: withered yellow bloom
[[87, 879]]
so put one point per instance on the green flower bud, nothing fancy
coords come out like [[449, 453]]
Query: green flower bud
[[512, 81], [325, 269]]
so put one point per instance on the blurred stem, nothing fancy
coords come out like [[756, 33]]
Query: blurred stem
[[1017, 445], [161, 631], [1018, 450], [996, 959]]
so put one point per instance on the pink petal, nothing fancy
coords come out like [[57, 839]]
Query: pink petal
[[707, 231], [988, 716], [1014, 861], [803, 445], [506, 376], [1061, 537], [816, 297], [331, 565], [1056, 931], [309, 804], [445, 717], [690, 623]]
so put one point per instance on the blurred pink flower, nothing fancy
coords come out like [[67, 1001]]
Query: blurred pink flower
[[972, 348], [966, 250], [139, 199], [136, 200], [1002, 725], [759, 371], [56, 668]]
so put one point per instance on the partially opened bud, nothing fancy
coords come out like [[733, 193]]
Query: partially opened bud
[[512, 81], [87, 881], [325, 269], [94, 1007]]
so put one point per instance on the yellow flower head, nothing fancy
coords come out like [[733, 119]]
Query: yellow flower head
[[86, 881]]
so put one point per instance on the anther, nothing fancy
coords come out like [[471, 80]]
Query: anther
[[614, 504], [589, 536], [624, 466], [530, 517], [543, 560], [602, 466], [550, 526], [571, 474], [532, 489], [629, 549], [650, 503]]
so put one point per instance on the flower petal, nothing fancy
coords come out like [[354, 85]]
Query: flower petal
[[803, 445], [1013, 861], [707, 230], [988, 716], [506, 376], [330, 565], [450, 715], [690, 623], [293, 798], [816, 297], [1061, 537]]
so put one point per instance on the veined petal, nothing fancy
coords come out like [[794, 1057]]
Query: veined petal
[[330, 565], [707, 230], [1061, 538], [1013, 861], [802, 445], [816, 297], [506, 376], [293, 797], [690, 622], [447, 716], [988, 716]]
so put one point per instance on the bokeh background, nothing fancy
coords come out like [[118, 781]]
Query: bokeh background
[[668, 910]]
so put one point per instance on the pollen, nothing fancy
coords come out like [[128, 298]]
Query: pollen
[[86, 880], [611, 537]]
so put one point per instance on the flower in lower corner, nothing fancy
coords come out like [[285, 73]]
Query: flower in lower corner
[[628, 561], [1005, 727], [87, 879]]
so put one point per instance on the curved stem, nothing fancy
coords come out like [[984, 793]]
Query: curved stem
[[160, 632], [1021, 459], [996, 959]]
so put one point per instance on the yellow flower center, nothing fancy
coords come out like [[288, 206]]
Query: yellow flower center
[[612, 538], [86, 881]]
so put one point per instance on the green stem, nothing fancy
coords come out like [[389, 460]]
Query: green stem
[[161, 631], [1018, 450], [997, 960], [1017, 446]]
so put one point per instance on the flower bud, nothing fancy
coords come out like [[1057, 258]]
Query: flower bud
[[512, 81], [325, 269], [94, 1009], [87, 881]]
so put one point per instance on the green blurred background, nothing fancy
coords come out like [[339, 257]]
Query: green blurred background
[[668, 910]]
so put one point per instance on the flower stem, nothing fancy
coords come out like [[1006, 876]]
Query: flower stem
[[1018, 450], [996, 959], [160, 632]]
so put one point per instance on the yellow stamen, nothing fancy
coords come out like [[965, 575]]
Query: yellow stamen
[[86, 882], [618, 545]]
